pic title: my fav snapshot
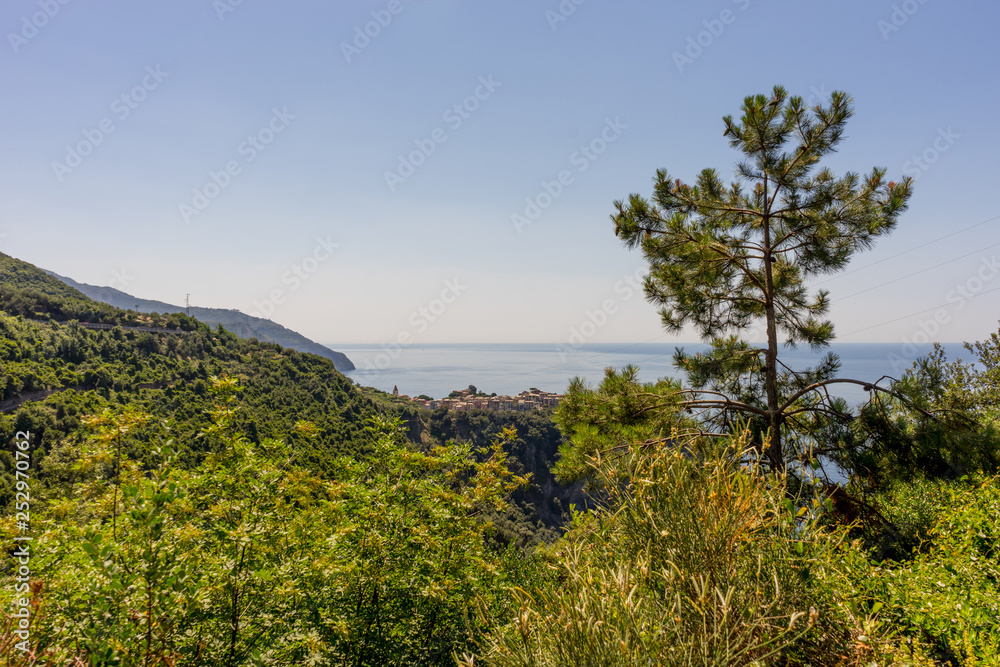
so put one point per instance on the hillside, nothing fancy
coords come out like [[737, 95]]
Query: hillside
[[225, 478], [241, 324], [54, 370], [221, 478], [27, 290]]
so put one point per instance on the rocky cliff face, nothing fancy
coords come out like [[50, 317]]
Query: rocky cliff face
[[240, 324]]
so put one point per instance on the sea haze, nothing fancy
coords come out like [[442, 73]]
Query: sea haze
[[437, 369]]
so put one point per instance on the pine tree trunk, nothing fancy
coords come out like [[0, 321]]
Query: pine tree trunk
[[774, 454], [771, 385]]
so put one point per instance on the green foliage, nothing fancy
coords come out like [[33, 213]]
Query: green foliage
[[419, 563], [53, 372], [946, 599], [723, 258], [114, 571], [697, 558], [909, 510], [940, 424], [235, 503], [249, 558], [537, 512], [614, 415]]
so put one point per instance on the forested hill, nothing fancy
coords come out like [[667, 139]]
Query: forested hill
[[26, 289], [64, 356], [241, 324], [54, 370]]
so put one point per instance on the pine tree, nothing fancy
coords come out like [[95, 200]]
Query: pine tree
[[726, 257]]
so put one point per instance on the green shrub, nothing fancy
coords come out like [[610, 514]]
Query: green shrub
[[251, 559], [697, 558], [946, 599]]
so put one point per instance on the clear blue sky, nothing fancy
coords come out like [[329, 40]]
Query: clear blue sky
[[201, 78]]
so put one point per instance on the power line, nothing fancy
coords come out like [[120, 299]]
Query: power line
[[955, 259], [875, 326], [900, 254], [910, 275], [840, 275]]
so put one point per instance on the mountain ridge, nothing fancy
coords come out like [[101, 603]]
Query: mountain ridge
[[240, 324]]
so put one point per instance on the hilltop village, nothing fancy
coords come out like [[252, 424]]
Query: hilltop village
[[469, 399]]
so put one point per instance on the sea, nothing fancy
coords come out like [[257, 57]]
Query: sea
[[435, 370]]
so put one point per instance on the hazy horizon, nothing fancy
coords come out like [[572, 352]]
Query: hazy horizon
[[445, 172]]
